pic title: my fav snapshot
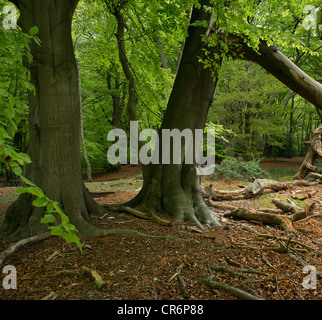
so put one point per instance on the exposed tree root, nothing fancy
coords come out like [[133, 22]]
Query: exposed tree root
[[15, 246], [140, 214], [232, 290]]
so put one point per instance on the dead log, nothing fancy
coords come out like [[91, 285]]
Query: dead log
[[258, 186], [267, 218], [305, 183], [314, 151], [285, 222], [286, 207], [316, 175]]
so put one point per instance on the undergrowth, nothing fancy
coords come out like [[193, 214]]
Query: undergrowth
[[233, 168]]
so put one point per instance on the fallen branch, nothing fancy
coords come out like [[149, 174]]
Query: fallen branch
[[232, 290], [95, 277], [286, 207], [258, 186], [316, 175], [267, 218], [15, 246], [285, 222], [220, 206]]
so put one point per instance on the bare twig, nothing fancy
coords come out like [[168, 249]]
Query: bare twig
[[99, 282]]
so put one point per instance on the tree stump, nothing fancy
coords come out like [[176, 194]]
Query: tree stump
[[314, 151]]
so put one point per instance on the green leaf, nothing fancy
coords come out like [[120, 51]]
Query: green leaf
[[34, 30], [40, 202], [57, 208], [69, 227], [50, 207], [48, 218], [15, 167], [27, 181], [72, 237], [33, 190], [56, 230], [24, 157]]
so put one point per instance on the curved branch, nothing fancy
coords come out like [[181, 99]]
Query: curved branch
[[276, 63]]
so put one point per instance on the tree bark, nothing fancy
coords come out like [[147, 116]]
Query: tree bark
[[54, 123], [176, 187]]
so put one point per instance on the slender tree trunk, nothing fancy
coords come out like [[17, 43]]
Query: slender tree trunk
[[176, 187], [117, 98], [86, 159], [133, 97], [54, 122]]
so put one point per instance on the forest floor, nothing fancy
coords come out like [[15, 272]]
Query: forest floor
[[145, 268]]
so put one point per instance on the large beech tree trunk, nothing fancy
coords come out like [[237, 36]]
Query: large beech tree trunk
[[175, 188], [54, 122]]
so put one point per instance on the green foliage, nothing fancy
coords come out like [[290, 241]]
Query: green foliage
[[217, 131], [282, 174], [149, 26], [232, 168], [247, 103]]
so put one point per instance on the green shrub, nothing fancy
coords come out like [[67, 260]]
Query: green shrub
[[232, 168]]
